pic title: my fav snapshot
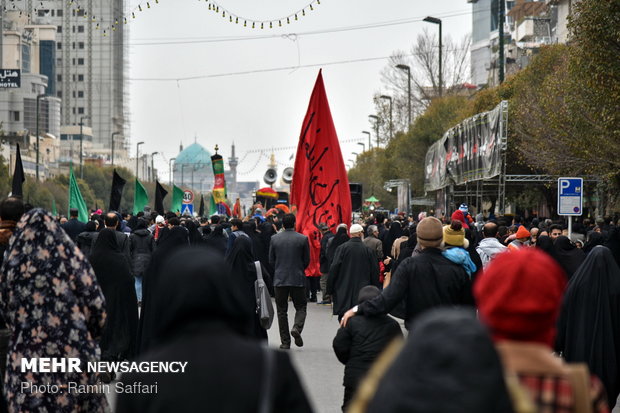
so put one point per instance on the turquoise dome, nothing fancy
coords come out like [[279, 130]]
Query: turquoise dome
[[194, 154]]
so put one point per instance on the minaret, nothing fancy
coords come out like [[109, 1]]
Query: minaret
[[233, 161]]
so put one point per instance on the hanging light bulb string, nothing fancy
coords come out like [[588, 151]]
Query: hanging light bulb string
[[109, 26]]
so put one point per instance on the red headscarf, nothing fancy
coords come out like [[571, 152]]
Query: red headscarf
[[519, 296]]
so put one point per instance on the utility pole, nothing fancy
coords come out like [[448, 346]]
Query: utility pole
[[502, 17]]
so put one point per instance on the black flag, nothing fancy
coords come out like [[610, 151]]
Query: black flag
[[160, 194], [201, 211], [18, 175], [118, 183]]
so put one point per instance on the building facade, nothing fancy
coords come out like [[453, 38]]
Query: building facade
[[529, 24], [91, 62]]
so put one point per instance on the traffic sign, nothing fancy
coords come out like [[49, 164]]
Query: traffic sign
[[570, 196], [187, 209], [188, 197]]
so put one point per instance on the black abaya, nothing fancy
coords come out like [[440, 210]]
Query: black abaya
[[202, 325], [169, 241], [567, 255], [118, 340], [589, 324], [241, 260]]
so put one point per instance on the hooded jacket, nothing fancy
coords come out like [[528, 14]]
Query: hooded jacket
[[489, 248]]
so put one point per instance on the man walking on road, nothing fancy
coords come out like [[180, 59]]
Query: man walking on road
[[289, 254], [355, 266]]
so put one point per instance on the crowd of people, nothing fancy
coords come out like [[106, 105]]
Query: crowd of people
[[502, 314]]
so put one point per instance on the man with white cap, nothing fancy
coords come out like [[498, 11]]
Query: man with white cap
[[354, 267], [424, 281]]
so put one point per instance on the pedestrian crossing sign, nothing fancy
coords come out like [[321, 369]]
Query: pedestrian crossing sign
[[187, 209]]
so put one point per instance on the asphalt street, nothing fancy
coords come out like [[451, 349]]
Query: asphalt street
[[319, 369]]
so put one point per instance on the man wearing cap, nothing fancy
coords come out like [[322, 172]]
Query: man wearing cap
[[424, 281], [522, 239], [354, 267], [73, 227]]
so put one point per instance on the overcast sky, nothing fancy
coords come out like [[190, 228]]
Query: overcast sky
[[179, 39]]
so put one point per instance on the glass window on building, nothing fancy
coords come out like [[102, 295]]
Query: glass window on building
[[59, 94], [80, 61], [59, 13], [59, 78], [80, 12], [15, 116], [80, 111], [26, 58], [80, 29], [59, 29], [80, 78], [80, 45], [80, 93], [59, 45]]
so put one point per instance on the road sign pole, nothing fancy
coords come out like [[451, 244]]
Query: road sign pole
[[570, 225]]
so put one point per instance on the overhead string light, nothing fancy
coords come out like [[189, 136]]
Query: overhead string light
[[214, 6]]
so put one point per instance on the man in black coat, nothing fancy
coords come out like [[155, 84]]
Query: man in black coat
[[324, 262], [73, 227], [112, 221], [289, 254], [359, 344], [425, 281], [354, 267]]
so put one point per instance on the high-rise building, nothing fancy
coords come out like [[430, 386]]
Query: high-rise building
[[91, 65]]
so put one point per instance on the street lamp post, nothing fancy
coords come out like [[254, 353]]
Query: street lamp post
[[138, 156], [386, 97], [369, 143], [376, 119], [408, 70], [182, 175], [81, 140], [112, 142], [36, 144], [170, 169], [363, 146], [435, 20], [153, 166], [356, 154]]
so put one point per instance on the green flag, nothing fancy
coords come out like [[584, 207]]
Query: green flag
[[54, 211], [212, 206], [177, 199], [75, 198], [140, 198]]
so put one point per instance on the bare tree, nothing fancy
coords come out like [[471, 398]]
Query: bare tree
[[423, 61]]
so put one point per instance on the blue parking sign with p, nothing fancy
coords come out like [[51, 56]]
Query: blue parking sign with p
[[570, 196]]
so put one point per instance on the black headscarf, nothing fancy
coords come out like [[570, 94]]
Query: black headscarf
[[117, 284], [217, 240], [193, 234], [150, 318], [594, 239], [567, 255], [212, 292], [545, 243], [243, 272], [448, 364], [589, 324], [340, 238], [613, 243], [393, 234]]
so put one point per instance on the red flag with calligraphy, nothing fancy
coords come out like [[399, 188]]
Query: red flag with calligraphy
[[320, 187]]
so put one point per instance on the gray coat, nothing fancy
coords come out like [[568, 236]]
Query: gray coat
[[375, 245], [289, 254]]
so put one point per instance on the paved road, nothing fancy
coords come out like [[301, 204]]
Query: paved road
[[319, 369]]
